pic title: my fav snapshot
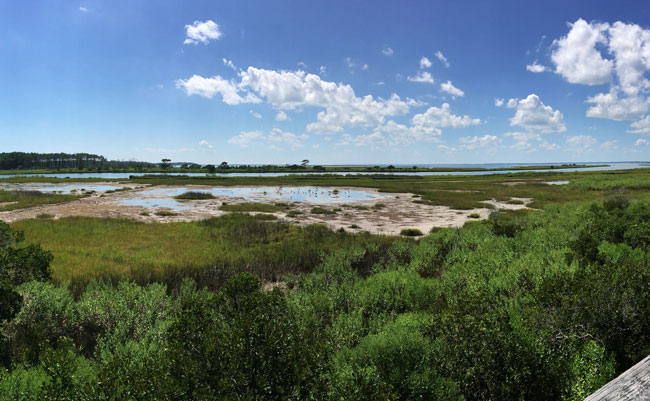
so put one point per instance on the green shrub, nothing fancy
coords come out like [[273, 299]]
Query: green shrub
[[165, 213], [410, 232], [194, 195]]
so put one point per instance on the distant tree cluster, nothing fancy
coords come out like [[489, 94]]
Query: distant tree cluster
[[53, 161]]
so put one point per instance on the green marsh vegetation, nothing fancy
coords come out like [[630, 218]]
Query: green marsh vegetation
[[543, 304], [195, 195], [209, 251], [13, 200], [246, 207], [537, 305]]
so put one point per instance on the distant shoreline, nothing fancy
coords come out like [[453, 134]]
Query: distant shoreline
[[301, 169]]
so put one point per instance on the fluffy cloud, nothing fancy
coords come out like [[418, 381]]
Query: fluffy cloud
[[255, 114], [281, 116], [425, 126], [201, 32], [499, 102], [534, 116], [374, 141], [580, 143], [229, 63], [524, 140], [442, 58], [442, 117], [425, 63], [451, 89], [630, 45], [289, 90], [641, 127], [209, 87], [641, 142], [576, 58], [594, 53], [535, 67], [609, 105], [205, 144], [489, 142], [292, 140], [246, 138], [609, 145], [422, 76], [387, 51], [275, 138]]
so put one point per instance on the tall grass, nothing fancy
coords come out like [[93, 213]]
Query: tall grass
[[209, 251], [13, 200]]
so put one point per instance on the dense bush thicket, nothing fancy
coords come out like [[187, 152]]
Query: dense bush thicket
[[548, 305]]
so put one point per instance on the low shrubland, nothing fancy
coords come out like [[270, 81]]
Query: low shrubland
[[526, 305]]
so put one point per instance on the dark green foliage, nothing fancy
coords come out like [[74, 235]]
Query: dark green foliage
[[541, 305], [410, 232], [195, 195], [238, 344]]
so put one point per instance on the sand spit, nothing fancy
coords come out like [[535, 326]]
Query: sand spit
[[386, 215]]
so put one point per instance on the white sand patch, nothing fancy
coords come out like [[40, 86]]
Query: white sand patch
[[398, 211]]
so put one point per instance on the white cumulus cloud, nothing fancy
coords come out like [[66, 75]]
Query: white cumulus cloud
[[201, 32], [451, 89], [209, 87], [641, 127], [422, 76], [488, 142], [641, 142], [425, 63], [534, 67], [499, 102], [580, 143], [576, 58], [205, 144], [442, 58], [387, 51], [246, 138], [281, 116], [534, 116], [611, 106]]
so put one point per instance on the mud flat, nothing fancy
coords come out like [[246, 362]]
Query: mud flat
[[353, 209]]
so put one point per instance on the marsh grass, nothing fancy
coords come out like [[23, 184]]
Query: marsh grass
[[45, 216], [13, 200], [322, 210], [474, 216], [410, 232], [194, 195], [165, 213], [437, 190], [251, 207], [209, 251]]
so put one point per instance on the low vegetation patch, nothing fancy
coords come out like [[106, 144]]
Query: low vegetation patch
[[45, 216], [474, 216], [410, 232], [209, 251], [13, 200], [195, 195], [250, 207], [165, 213], [322, 210]]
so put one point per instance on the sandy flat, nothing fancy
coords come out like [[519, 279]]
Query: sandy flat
[[398, 212]]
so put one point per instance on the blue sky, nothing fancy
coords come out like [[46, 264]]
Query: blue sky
[[335, 82]]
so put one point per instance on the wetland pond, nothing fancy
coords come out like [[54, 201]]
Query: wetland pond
[[163, 197]]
